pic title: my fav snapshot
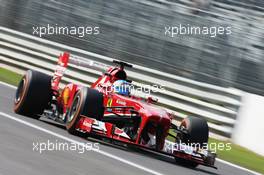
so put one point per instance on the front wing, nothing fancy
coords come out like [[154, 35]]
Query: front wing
[[109, 130]]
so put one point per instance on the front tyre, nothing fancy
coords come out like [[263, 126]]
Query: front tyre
[[87, 102], [197, 134], [197, 129], [33, 94]]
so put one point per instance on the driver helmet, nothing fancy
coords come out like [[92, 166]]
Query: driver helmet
[[121, 87]]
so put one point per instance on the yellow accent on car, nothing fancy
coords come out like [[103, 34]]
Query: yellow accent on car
[[66, 96], [109, 102]]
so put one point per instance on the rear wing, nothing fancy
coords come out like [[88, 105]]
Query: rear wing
[[59, 71], [65, 59]]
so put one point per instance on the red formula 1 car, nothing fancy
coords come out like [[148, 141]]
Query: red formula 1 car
[[108, 109]]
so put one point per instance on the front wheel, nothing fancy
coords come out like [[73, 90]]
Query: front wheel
[[87, 102], [197, 135], [197, 130]]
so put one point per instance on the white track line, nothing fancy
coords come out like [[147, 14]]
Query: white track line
[[105, 153], [8, 85], [81, 144], [238, 167]]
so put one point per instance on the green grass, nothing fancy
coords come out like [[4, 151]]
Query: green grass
[[9, 77], [241, 156], [237, 155]]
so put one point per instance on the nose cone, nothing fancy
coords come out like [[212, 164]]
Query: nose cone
[[158, 115]]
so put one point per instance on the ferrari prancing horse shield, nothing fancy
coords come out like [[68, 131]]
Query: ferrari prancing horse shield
[[109, 102]]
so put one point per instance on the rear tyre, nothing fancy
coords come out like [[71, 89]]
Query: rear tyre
[[33, 94], [197, 134], [87, 102]]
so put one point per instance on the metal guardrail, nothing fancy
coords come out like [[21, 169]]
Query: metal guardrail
[[182, 96]]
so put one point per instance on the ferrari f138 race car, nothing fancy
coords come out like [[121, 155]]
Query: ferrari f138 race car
[[107, 109]]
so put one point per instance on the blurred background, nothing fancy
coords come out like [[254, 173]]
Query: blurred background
[[133, 30]]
